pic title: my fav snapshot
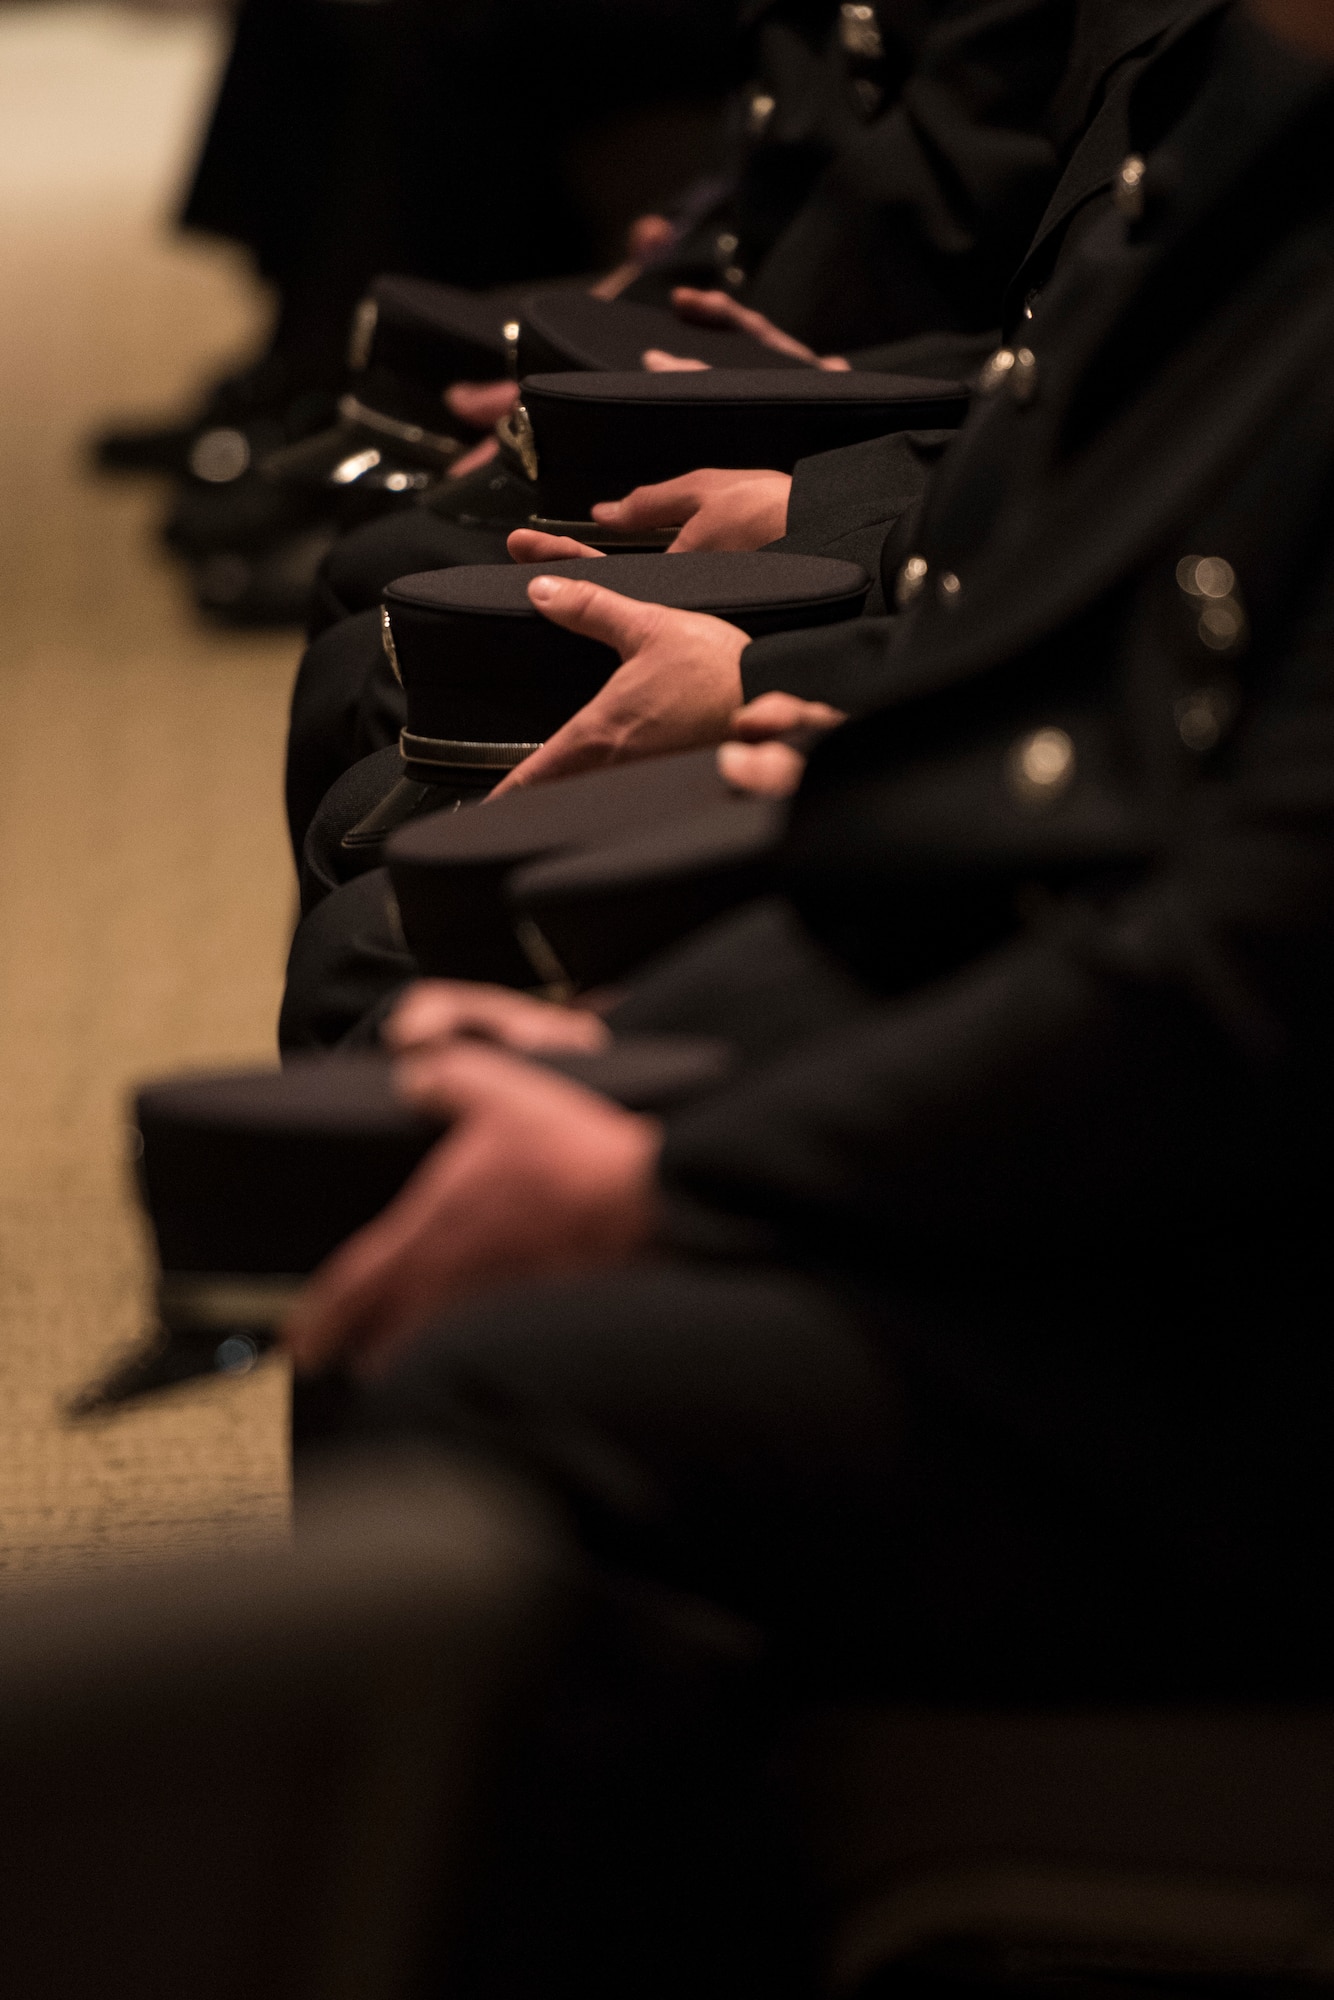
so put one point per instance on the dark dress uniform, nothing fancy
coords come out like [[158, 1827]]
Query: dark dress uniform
[[347, 705], [985, 1355], [1035, 1142]]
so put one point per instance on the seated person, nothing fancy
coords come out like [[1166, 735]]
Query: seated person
[[653, 705], [346, 704], [960, 1346]]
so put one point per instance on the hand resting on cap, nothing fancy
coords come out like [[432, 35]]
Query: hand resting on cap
[[720, 309], [536, 1177], [714, 508], [434, 1011], [677, 687], [482, 405]]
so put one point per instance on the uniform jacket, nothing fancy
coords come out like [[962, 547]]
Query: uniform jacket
[[922, 218], [846, 503], [1082, 849], [807, 96], [885, 195]]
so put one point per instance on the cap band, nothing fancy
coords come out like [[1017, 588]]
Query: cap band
[[479, 756]]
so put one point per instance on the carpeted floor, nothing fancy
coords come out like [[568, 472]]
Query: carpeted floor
[[145, 892]]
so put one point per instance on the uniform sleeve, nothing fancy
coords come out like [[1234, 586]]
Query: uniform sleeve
[[1157, 1059], [837, 494], [922, 220], [850, 666]]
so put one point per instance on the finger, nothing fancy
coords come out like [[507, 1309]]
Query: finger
[[771, 770], [705, 308], [657, 361], [595, 613], [530, 545], [615, 281], [473, 461], [719, 309], [465, 1078], [834, 364], [436, 1011], [575, 747], [426, 1012], [349, 1293], [649, 236], [776, 713], [371, 1289], [698, 532], [482, 404], [665, 505], [528, 1028]]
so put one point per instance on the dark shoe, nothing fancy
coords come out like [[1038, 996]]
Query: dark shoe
[[245, 416]]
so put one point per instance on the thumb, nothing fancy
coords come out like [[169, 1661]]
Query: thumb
[[464, 1078], [586, 608], [531, 545], [658, 361]]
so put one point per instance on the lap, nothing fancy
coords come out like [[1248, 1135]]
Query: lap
[[915, 1495], [326, 861], [357, 814], [347, 961], [727, 1431], [346, 704]]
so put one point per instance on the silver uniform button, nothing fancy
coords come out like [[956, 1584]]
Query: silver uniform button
[[734, 275], [948, 588], [727, 245], [1041, 767], [759, 112], [858, 32], [1206, 576], [1222, 627], [1210, 583], [1202, 717], [911, 581], [1128, 187], [1024, 376], [996, 371], [1017, 366]]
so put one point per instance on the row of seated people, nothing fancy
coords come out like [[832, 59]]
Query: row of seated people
[[336, 148], [858, 1144]]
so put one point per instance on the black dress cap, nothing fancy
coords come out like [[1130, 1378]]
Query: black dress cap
[[263, 1173], [588, 437], [567, 329], [487, 677], [603, 910], [450, 870], [251, 1178]]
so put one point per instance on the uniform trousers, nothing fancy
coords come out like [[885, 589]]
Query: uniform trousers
[[791, 1490]]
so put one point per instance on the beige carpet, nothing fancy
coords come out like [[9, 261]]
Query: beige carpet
[[145, 892]]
